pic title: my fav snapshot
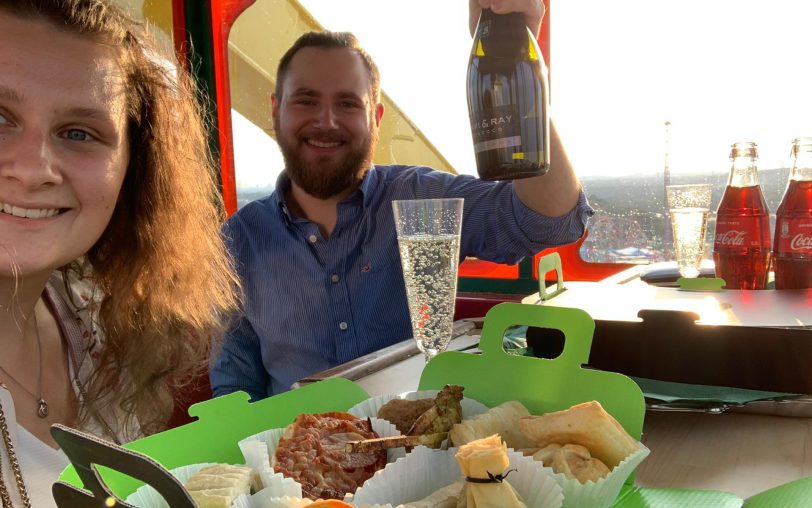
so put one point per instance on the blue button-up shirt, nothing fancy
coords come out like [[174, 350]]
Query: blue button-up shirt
[[313, 303]]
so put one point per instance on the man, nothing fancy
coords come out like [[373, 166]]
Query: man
[[318, 258]]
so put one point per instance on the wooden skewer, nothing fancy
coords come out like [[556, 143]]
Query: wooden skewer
[[384, 443]]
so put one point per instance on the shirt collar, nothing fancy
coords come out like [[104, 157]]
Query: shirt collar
[[369, 185], [282, 186]]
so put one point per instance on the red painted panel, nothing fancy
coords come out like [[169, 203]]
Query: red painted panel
[[179, 30], [223, 15], [487, 269]]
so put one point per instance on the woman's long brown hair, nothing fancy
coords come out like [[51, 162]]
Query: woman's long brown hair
[[167, 281]]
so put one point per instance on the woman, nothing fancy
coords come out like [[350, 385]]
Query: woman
[[113, 278]]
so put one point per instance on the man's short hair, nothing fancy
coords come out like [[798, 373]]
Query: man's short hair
[[329, 40]]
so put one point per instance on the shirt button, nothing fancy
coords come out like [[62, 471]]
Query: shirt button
[[312, 238], [342, 325], [334, 278]]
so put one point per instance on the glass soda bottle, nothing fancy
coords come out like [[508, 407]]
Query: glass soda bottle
[[742, 243], [508, 99], [792, 258]]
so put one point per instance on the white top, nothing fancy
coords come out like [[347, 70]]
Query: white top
[[39, 463], [75, 308]]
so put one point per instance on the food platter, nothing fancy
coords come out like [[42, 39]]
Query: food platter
[[490, 378]]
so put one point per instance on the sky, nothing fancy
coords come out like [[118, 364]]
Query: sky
[[719, 70]]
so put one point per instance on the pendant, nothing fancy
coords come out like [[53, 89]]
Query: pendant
[[42, 408]]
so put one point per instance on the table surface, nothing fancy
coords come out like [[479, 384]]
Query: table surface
[[621, 296]]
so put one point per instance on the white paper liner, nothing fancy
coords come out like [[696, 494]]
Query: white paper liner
[[148, 497], [255, 452], [259, 448], [425, 471], [282, 502], [603, 492], [243, 502], [265, 499]]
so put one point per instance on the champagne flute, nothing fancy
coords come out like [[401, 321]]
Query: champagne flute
[[429, 240], [689, 206]]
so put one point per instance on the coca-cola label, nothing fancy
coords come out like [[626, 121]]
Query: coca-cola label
[[737, 232], [795, 235], [498, 129]]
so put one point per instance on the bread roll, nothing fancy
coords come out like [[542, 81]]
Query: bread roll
[[584, 424], [502, 419]]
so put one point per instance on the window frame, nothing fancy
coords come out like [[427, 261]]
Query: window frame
[[202, 29]]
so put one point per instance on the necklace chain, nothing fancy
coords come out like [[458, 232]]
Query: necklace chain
[[42, 406], [15, 467]]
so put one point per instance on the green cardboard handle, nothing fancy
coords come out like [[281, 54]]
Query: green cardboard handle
[[542, 384], [701, 283], [574, 323], [547, 264]]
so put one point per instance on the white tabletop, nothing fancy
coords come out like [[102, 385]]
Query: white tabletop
[[621, 302]]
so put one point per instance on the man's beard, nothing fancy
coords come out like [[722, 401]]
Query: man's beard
[[325, 180]]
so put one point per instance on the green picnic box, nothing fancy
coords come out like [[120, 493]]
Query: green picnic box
[[493, 377]]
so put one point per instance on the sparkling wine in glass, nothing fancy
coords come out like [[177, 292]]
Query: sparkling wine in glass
[[429, 240], [689, 206]]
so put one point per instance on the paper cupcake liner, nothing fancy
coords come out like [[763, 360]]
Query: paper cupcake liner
[[259, 448], [148, 497], [603, 492], [244, 502], [265, 500], [425, 471], [256, 454], [370, 407]]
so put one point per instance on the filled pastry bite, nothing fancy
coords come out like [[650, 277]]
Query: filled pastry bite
[[402, 413], [502, 419], [425, 416], [484, 464], [573, 461], [217, 486], [312, 451], [587, 425]]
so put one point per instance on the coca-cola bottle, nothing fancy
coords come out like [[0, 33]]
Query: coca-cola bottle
[[742, 243], [792, 259], [508, 99]]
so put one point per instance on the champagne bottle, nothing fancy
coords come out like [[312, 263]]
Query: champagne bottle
[[508, 99]]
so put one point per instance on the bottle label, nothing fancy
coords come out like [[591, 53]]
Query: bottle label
[[737, 232], [794, 235], [499, 129]]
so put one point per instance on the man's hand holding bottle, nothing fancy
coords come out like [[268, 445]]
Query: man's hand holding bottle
[[533, 11]]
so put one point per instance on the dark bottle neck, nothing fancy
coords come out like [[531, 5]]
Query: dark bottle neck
[[502, 33], [511, 20]]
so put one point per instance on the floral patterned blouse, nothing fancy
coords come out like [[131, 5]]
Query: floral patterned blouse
[[75, 306]]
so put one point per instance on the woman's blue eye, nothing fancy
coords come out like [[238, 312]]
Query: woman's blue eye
[[77, 135]]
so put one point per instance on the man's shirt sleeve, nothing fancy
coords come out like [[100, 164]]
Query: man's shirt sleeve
[[239, 364], [497, 226]]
